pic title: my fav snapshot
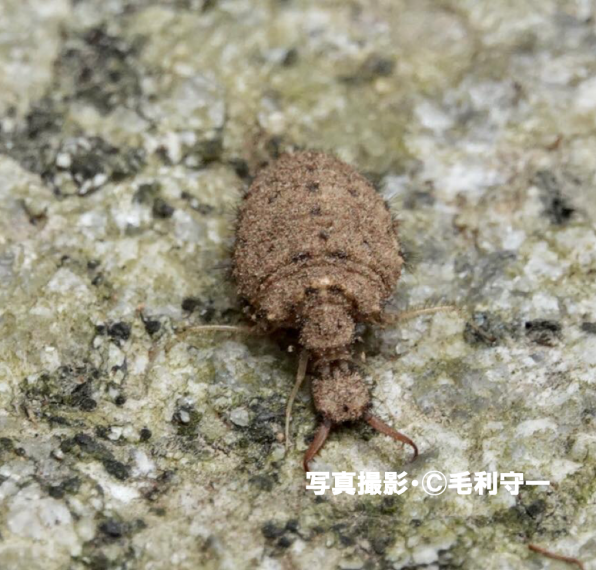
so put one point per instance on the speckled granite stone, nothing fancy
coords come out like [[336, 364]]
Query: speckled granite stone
[[128, 130]]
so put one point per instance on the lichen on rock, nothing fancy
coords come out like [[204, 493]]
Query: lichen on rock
[[129, 130]]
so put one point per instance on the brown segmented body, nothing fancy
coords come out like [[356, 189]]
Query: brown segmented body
[[311, 222], [317, 251]]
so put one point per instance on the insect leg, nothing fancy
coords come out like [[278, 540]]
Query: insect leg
[[382, 427], [211, 328], [225, 328], [317, 442], [300, 376], [392, 318]]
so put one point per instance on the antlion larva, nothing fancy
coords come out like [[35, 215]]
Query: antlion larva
[[317, 251]]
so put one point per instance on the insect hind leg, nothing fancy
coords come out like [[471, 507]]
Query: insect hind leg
[[393, 318], [239, 329]]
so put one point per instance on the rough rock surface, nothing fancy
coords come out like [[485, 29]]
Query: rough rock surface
[[128, 128]]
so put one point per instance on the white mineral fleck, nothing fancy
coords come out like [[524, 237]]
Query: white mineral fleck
[[240, 417]]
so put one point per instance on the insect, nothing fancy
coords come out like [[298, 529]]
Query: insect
[[317, 251]]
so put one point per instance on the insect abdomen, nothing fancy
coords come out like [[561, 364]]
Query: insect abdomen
[[311, 223]]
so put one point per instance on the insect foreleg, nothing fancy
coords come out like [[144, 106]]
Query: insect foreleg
[[300, 376]]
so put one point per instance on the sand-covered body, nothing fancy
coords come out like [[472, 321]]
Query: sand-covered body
[[311, 230], [317, 251]]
